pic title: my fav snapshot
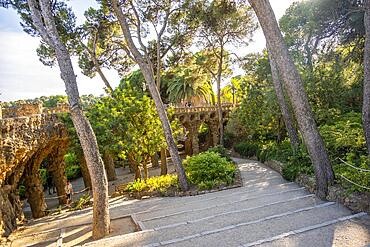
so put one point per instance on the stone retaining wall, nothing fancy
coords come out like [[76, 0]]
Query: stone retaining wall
[[358, 202]]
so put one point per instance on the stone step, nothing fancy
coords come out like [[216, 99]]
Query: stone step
[[233, 234], [171, 203], [350, 232], [223, 201], [253, 231], [247, 210], [180, 214]]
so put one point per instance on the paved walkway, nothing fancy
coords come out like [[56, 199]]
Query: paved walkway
[[266, 211]]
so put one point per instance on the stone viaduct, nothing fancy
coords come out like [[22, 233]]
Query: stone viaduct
[[31, 134]]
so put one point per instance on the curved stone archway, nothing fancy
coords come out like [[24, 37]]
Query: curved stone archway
[[28, 136]]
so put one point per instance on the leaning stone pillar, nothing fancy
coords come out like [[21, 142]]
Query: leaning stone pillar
[[194, 138], [57, 168], [109, 165], [163, 161], [154, 160], [34, 190], [188, 148], [215, 134], [85, 172]]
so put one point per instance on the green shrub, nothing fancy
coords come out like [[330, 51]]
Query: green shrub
[[22, 191], [73, 171], [43, 176], [154, 184], [299, 163], [208, 170], [221, 151], [246, 149], [82, 203]]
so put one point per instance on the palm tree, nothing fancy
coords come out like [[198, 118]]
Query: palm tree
[[185, 83]]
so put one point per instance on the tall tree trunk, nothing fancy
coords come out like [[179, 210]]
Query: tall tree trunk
[[366, 96], [158, 64], [288, 120], [163, 161], [109, 88], [48, 31], [219, 106], [294, 86], [146, 69]]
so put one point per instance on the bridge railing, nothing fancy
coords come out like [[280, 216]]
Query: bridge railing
[[225, 107]]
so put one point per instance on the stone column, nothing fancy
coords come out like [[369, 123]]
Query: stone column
[[34, 189], [85, 172], [194, 137], [154, 160], [188, 148], [57, 168], [215, 133], [109, 165]]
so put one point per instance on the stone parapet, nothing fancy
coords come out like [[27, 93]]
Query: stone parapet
[[22, 110], [28, 109]]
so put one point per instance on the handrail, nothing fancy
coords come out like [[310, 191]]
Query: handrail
[[357, 168], [359, 185]]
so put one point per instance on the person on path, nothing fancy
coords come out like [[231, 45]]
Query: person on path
[[69, 192]]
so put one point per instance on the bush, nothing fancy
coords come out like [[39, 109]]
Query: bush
[[246, 149], [221, 151], [73, 171], [154, 184], [208, 170]]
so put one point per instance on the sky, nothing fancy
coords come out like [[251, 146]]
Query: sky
[[23, 76]]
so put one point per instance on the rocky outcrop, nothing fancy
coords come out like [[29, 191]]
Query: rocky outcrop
[[27, 138]]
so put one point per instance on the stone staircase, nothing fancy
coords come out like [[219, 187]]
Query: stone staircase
[[266, 211]]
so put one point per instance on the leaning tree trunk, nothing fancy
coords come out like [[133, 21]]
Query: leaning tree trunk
[[294, 86], [219, 106], [288, 120], [366, 96], [47, 29], [146, 69]]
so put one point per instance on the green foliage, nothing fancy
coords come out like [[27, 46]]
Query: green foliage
[[246, 149], [82, 203], [73, 172], [223, 152], [127, 123], [208, 170], [22, 191], [345, 136], [154, 184], [43, 176]]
